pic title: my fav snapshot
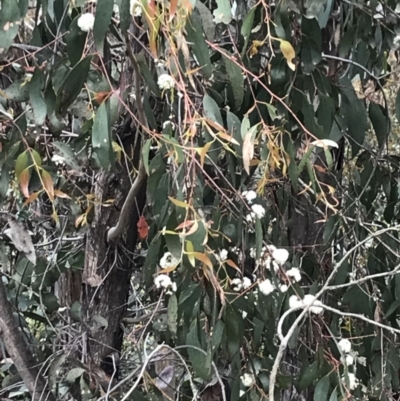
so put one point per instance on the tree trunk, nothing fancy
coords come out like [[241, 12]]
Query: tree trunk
[[19, 351], [108, 267]]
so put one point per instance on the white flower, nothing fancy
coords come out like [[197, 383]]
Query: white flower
[[244, 314], [258, 210], [266, 287], [250, 196], [253, 252], [135, 8], [353, 381], [168, 260], [271, 248], [163, 281], [247, 380], [348, 360], [315, 308], [325, 143], [242, 393], [345, 345], [250, 217], [246, 283], [295, 273], [283, 287], [237, 282], [165, 81], [280, 256], [295, 301], [223, 255], [86, 22]]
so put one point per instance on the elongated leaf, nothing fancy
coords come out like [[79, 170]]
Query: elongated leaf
[[380, 122], [146, 152], [48, 184], [322, 389], [125, 15], [104, 10], [235, 80], [211, 110], [195, 37], [36, 97], [24, 178], [21, 164], [101, 137], [72, 85]]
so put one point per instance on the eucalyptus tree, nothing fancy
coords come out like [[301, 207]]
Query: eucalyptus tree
[[199, 199]]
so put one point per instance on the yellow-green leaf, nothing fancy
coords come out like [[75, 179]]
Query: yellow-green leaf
[[21, 164], [178, 203], [190, 251], [288, 52]]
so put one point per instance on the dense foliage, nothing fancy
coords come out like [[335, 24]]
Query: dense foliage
[[234, 168]]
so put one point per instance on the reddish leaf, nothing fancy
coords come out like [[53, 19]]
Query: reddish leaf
[[48, 184], [31, 198], [61, 194], [24, 182], [143, 228]]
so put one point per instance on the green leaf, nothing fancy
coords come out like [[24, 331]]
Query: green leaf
[[36, 97], [104, 11], [194, 35], [223, 14], [9, 16], [76, 40], [72, 85], [21, 164], [197, 358], [125, 15], [50, 302], [211, 110], [235, 79], [248, 24], [334, 396], [173, 315], [146, 153], [235, 327], [380, 122], [322, 389], [206, 20], [66, 153], [74, 374], [101, 137]]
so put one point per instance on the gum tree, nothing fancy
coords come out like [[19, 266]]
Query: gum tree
[[199, 199]]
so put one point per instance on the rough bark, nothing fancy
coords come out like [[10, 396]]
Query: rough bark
[[19, 351], [108, 267]]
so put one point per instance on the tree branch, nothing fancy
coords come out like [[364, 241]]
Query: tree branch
[[115, 232], [19, 352]]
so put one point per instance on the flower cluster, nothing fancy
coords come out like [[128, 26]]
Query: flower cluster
[[168, 260], [296, 302], [85, 22], [249, 196], [165, 282], [165, 81], [241, 284], [256, 211]]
